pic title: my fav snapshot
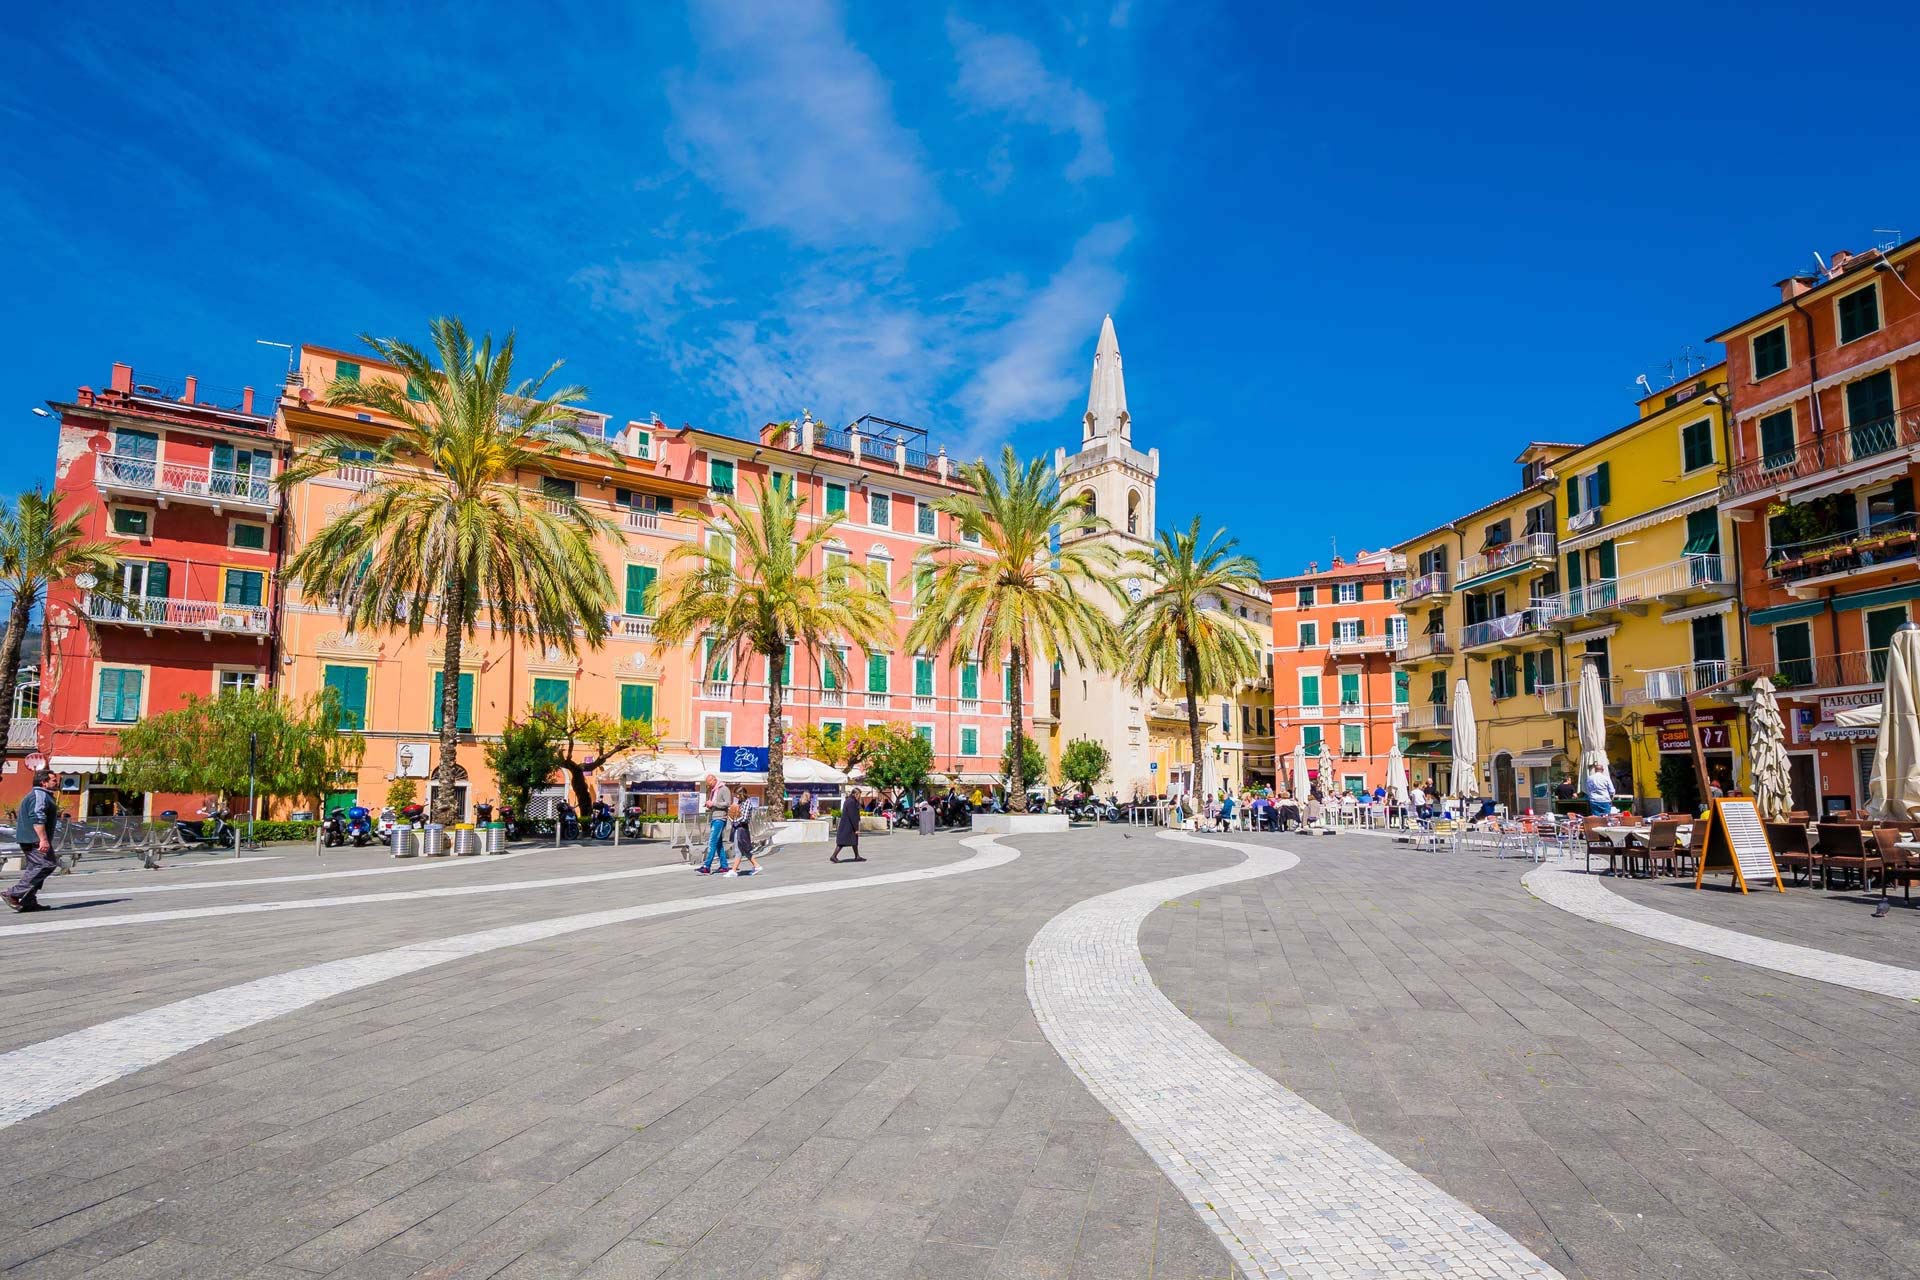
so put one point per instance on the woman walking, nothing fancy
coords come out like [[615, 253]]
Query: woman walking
[[846, 834]]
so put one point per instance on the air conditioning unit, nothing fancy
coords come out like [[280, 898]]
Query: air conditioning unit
[[1585, 520], [229, 622]]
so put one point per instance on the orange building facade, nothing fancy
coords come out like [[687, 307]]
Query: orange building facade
[[1335, 634]]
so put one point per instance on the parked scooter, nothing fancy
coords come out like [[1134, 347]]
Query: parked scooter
[[360, 826], [568, 819], [631, 827], [389, 822], [414, 815], [212, 832], [333, 830], [602, 825]]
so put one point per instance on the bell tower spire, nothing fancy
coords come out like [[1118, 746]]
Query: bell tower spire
[[1107, 396]]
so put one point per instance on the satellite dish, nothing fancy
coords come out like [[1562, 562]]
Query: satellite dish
[[86, 582]]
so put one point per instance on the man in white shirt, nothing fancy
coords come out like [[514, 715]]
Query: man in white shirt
[[717, 800]]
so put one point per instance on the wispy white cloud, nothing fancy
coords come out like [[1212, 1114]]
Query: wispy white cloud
[[793, 126], [1006, 74]]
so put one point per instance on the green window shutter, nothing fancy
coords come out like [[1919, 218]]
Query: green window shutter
[[1769, 353], [250, 537], [1709, 640], [923, 677], [346, 371], [1609, 567], [1529, 671], [119, 697], [1573, 496], [548, 692], [128, 443], [1573, 570], [640, 578], [1350, 740], [786, 668], [1310, 739], [463, 712], [720, 475], [718, 665], [244, 587], [351, 684], [1605, 483], [1703, 533], [924, 732], [636, 702], [663, 505], [970, 681], [1546, 666], [876, 673], [1309, 691], [414, 392], [1696, 445], [836, 499], [159, 580], [969, 741], [829, 678], [1349, 688], [1006, 682]]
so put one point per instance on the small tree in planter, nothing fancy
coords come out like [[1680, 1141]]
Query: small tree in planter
[[1679, 789], [401, 792], [1085, 763]]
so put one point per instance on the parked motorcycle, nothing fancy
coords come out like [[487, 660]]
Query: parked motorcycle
[[602, 824], [211, 832], [631, 826], [414, 815], [333, 830], [569, 819], [360, 826]]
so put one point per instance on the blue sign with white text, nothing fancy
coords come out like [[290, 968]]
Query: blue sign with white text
[[743, 759]]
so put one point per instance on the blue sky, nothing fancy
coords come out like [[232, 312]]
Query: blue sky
[[1357, 258]]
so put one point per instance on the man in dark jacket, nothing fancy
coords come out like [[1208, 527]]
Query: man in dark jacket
[[38, 819]]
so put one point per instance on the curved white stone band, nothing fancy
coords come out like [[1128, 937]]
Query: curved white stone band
[[175, 887], [41, 1076], [1588, 897], [1288, 1190]]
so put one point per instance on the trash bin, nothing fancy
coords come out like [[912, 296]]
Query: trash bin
[[466, 841], [404, 843], [494, 838], [434, 840]]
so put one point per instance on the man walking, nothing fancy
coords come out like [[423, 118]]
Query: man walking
[[719, 798], [39, 817]]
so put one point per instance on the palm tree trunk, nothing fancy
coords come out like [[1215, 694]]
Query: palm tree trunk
[[1192, 660], [18, 619], [776, 737], [1017, 802], [454, 619]]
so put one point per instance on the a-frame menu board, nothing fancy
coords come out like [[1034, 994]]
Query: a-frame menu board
[[1737, 843]]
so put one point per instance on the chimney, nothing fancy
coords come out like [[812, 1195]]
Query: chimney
[[246, 401], [1793, 286], [122, 378], [1313, 566], [193, 386]]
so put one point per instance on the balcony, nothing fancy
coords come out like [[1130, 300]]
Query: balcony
[[1428, 586], [1853, 555], [923, 702], [1564, 699], [719, 690], [631, 626], [171, 481], [969, 706], [1512, 631], [1690, 578], [1429, 717], [1432, 646], [1348, 646], [1523, 550], [1860, 668], [637, 521], [1671, 684], [832, 698], [151, 614], [878, 701], [353, 476], [1806, 460]]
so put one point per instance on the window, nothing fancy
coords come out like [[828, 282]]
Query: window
[[1499, 534], [1226, 717], [132, 522], [241, 473], [833, 728], [1309, 690], [640, 579], [1776, 440], [781, 483], [141, 445], [969, 682], [1309, 634], [1433, 561], [1349, 688], [350, 686], [1709, 642], [1870, 413], [1006, 682], [924, 732], [877, 672], [923, 677], [636, 701], [1696, 445], [970, 536], [969, 741], [713, 730], [1396, 587], [232, 681], [1351, 740], [1859, 313], [120, 692], [1303, 597], [1397, 630], [832, 663], [414, 391], [1501, 678], [641, 501], [247, 535], [836, 499], [722, 547], [1769, 352], [1588, 491], [346, 371], [1703, 533], [549, 692], [1347, 629], [1597, 652], [643, 445], [1793, 652], [882, 567], [244, 587], [1310, 740], [879, 510], [720, 475], [559, 488], [1540, 518], [1346, 593], [1400, 689], [718, 662], [1881, 624], [924, 518], [1437, 688], [463, 714]]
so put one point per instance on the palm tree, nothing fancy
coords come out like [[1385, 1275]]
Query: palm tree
[[1183, 633], [747, 588], [1021, 579], [39, 546], [449, 534]]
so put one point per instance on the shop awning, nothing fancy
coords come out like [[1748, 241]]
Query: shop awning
[[1428, 750], [1539, 757], [1787, 612], [1874, 599]]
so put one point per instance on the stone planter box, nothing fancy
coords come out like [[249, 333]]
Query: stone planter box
[[802, 831]]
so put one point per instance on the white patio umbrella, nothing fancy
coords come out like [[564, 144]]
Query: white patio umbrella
[[1398, 792], [1326, 771], [1300, 771], [1767, 743], [1592, 720], [1893, 789], [1466, 743]]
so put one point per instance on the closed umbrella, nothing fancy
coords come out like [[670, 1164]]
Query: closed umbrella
[[1300, 771], [1767, 740], [1893, 790], [1466, 743], [1398, 793], [1592, 720], [1326, 772]]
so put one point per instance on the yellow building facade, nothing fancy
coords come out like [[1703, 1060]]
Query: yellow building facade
[[1647, 569], [1236, 728]]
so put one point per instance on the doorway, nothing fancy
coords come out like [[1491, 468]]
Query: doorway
[[1503, 782]]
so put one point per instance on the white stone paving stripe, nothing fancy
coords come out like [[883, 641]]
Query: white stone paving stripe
[[1573, 890], [40, 1076], [10, 933], [1287, 1189], [492, 860]]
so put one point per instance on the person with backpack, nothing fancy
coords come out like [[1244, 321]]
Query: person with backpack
[[33, 826]]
